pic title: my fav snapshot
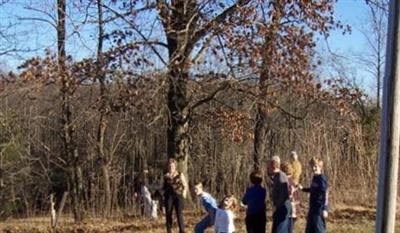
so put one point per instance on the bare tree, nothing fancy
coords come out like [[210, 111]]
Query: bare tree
[[374, 32], [67, 83]]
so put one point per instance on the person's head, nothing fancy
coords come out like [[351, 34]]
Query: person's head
[[316, 165], [198, 188], [171, 165], [273, 165], [293, 155], [287, 168], [229, 202], [275, 162], [256, 177]]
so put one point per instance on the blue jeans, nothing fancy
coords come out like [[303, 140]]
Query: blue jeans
[[204, 224], [280, 219]]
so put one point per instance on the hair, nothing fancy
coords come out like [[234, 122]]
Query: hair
[[316, 161], [293, 153], [232, 198], [275, 162], [172, 160], [287, 168], [198, 184], [256, 177]]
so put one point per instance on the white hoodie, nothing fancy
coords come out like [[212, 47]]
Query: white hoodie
[[224, 221]]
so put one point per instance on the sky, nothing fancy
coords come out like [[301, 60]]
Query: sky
[[353, 13], [42, 35]]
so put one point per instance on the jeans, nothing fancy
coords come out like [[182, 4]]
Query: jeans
[[174, 201], [291, 224], [280, 219], [206, 222]]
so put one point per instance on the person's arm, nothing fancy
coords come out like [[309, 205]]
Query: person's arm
[[300, 187], [245, 197], [164, 185], [185, 185], [324, 191], [283, 187]]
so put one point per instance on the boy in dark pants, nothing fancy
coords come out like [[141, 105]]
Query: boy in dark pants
[[318, 210], [254, 198], [280, 197]]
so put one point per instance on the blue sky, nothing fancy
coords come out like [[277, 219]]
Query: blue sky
[[353, 13], [42, 35]]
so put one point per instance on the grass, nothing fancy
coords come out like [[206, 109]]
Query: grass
[[344, 220]]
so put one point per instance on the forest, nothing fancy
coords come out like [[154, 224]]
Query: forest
[[220, 86]]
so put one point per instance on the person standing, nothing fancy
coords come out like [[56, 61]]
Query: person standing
[[297, 167], [318, 209], [280, 197], [175, 191], [293, 195], [254, 198]]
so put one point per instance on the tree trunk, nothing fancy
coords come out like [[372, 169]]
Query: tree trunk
[[70, 148], [104, 160], [178, 75], [178, 125], [260, 136], [261, 127], [107, 189], [77, 187]]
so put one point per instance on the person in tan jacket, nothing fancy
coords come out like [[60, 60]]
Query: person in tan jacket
[[297, 168]]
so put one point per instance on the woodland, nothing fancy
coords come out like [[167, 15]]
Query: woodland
[[221, 86]]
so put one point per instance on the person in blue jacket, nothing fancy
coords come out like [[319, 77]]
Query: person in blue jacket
[[318, 209], [254, 198], [210, 205]]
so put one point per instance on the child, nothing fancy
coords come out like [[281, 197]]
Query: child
[[254, 198], [280, 197], [146, 200], [224, 217], [209, 204], [154, 207], [318, 210], [293, 195]]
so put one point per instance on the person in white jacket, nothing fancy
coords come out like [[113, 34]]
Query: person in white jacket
[[224, 216]]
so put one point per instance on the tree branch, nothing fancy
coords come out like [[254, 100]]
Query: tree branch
[[217, 20]]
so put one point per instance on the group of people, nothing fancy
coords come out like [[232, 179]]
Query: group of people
[[283, 179]]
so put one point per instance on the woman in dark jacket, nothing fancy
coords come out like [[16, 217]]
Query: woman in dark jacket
[[175, 190]]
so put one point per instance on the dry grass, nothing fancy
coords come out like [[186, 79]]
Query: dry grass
[[342, 220]]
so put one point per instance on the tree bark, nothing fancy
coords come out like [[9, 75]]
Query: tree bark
[[261, 127], [179, 21], [70, 148], [104, 160], [260, 136]]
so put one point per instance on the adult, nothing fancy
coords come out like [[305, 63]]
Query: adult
[[280, 197], [296, 165], [175, 191]]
